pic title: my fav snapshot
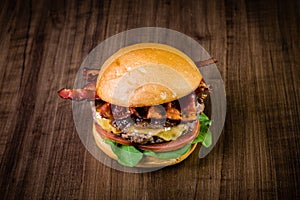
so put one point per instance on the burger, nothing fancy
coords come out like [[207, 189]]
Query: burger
[[148, 103]]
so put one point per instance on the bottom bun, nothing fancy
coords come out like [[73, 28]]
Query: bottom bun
[[146, 161]]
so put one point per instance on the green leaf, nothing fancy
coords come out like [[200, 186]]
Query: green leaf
[[208, 139], [127, 155], [204, 119], [204, 136], [170, 154]]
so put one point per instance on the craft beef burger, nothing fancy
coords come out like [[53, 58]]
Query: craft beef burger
[[148, 105]]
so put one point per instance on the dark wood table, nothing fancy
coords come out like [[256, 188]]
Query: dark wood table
[[43, 44]]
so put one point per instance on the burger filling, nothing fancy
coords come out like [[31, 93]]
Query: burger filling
[[152, 124], [165, 131]]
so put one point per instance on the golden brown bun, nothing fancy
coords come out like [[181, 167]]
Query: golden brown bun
[[147, 161], [147, 74]]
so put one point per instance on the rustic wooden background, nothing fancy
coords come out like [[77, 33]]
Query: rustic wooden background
[[42, 44]]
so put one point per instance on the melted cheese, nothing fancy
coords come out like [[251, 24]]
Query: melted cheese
[[106, 125]]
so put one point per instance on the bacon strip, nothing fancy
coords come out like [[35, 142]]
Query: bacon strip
[[172, 113], [187, 106], [207, 62], [86, 93], [156, 112], [90, 86], [90, 75], [78, 94], [203, 90], [105, 110]]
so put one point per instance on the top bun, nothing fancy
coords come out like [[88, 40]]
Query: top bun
[[147, 74]]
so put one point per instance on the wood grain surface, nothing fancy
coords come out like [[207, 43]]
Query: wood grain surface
[[43, 43]]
